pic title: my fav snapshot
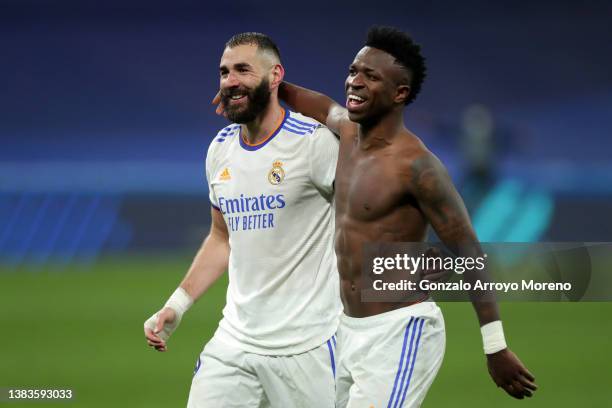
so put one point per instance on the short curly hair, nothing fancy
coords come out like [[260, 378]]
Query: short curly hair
[[406, 52]]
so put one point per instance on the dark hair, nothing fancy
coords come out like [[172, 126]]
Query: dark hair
[[262, 41], [406, 52]]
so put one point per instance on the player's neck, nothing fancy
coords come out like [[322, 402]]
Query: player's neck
[[264, 125], [382, 131]]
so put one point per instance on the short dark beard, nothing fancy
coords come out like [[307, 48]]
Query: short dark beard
[[258, 100]]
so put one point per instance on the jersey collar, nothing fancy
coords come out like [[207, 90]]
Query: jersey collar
[[251, 147]]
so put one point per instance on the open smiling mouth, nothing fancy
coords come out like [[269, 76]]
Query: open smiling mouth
[[237, 98], [354, 101]]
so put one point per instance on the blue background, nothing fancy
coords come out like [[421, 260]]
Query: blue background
[[105, 112]]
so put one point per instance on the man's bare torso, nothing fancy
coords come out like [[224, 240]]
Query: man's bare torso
[[374, 204]]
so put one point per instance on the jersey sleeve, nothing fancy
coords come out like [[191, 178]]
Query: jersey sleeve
[[323, 154], [210, 173]]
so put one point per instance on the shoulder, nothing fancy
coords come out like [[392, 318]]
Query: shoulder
[[299, 124], [339, 120], [414, 152], [421, 166], [226, 133], [223, 138], [417, 163], [306, 126]]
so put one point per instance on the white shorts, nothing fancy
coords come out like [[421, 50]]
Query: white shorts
[[389, 360], [227, 377]]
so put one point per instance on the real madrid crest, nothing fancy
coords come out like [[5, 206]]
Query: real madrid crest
[[276, 175]]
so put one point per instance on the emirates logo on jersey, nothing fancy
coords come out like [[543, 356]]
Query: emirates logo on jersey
[[276, 175]]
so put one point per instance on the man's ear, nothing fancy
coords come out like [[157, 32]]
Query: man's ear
[[402, 94], [277, 74]]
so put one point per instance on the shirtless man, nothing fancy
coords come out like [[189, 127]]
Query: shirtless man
[[389, 187]]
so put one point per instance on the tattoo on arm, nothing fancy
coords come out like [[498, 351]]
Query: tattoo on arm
[[444, 209], [440, 201]]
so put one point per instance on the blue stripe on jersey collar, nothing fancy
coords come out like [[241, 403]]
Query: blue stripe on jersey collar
[[299, 124], [272, 136]]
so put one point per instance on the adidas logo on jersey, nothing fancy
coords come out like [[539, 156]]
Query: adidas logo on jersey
[[225, 175]]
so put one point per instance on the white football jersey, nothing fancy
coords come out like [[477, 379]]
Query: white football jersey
[[276, 198]]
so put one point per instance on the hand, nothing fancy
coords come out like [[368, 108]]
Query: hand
[[159, 327], [509, 373], [220, 109]]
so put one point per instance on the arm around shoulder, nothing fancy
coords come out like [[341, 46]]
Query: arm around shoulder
[[315, 105]]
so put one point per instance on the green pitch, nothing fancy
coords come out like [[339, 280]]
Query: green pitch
[[81, 328]]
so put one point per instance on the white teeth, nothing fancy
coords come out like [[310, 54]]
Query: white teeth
[[235, 97], [356, 98]]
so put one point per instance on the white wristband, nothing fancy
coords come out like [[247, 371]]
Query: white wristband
[[493, 337], [180, 301]]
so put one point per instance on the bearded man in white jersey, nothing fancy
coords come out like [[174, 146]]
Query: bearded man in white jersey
[[270, 176]]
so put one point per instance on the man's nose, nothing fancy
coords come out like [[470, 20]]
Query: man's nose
[[230, 81], [356, 81]]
